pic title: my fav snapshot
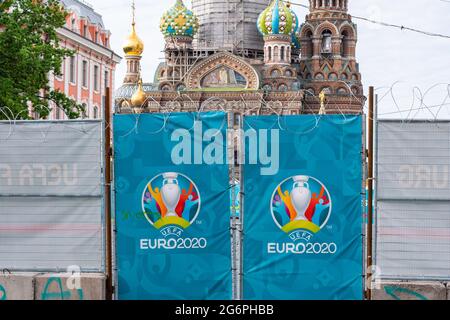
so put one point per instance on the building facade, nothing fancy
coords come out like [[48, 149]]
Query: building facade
[[87, 74], [215, 60]]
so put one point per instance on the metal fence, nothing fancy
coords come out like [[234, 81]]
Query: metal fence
[[51, 195], [413, 199]]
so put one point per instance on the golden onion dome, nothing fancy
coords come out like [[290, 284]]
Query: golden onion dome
[[139, 97], [133, 45]]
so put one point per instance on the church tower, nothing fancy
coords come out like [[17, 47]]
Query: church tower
[[179, 25], [279, 24], [328, 65], [133, 49]]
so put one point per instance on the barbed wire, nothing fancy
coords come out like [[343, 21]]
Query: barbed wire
[[422, 104], [44, 126], [391, 25]]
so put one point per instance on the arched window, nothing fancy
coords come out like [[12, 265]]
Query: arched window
[[344, 44], [342, 91], [276, 54], [282, 87], [327, 46], [332, 76], [165, 87], [181, 87], [282, 54], [270, 53], [274, 73], [327, 90], [95, 115], [319, 76], [310, 46]]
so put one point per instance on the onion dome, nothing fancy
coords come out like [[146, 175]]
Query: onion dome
[[278, 19], [179, 21], [133, 45], [139, 97]]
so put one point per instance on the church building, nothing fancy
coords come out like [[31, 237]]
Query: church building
[[248, 57]]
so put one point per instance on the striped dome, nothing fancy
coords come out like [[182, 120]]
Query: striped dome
[[278, 18], [179, 21]]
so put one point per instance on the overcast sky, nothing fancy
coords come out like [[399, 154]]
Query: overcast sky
[[386, 55]]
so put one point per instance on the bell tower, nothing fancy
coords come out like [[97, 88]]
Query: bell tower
[[133, 49], [328, 58]]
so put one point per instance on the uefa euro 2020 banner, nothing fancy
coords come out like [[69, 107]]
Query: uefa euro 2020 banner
[[303, 215], [172, 206]]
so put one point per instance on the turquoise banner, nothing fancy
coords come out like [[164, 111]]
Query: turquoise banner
[[303, 208], [172, 206]]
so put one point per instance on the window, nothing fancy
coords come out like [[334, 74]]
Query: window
[[276, 54], [345, 50], [85, 31], [62, 70], [96, 78], [85, 73], [96, 37], [106, 79], [326, 42], [310, 45], [73, 24], [72, 70], [95, 113], [106, 42]]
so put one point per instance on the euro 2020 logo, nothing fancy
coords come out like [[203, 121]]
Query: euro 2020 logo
[[171, 203], [301, 207]]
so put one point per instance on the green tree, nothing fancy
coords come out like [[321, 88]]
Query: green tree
[[29, 51]]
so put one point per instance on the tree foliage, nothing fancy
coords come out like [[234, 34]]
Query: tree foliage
[[29, 51]]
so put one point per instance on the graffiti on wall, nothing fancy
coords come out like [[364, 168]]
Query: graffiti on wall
[[53, 290], [399, 293], [2, 293]]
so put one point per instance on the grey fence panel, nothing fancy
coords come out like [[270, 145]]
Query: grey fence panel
[[413, 200], [51, 195]]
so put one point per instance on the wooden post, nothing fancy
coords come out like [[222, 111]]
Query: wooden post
[[370, 152], [108, 224]]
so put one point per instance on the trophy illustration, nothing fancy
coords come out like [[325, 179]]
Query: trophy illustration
[[171, 193], [301, 196]]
